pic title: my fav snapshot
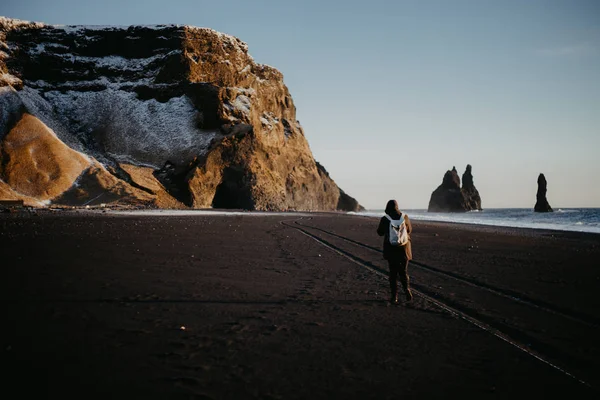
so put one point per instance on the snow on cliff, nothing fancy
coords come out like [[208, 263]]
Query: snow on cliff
[[97, 109]]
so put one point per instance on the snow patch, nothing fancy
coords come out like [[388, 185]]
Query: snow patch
[[116, 123], [10, 104], [131, 130], [42, 48], [121, 63], [102, 81], [241, 104], [262, 68], [113, 62], [126, 159], [81, 28], [244, 91], [38, 106], [269, 120]]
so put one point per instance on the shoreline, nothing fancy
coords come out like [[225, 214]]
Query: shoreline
[[152, 212]]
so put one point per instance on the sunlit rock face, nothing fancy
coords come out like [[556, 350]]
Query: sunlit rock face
[[36, 163], [179, 116]]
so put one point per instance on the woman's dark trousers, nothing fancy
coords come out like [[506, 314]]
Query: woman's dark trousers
[[398, 271]]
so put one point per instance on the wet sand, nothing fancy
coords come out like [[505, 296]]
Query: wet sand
[[228, 307]]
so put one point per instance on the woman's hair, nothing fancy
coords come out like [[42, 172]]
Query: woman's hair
[[392, 210]]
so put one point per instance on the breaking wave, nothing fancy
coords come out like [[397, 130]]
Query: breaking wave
[[563, 219]]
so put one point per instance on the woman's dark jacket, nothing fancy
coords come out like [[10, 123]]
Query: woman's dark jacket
[[395, 253]]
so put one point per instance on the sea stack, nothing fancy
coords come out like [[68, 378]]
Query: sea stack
[[471, 195], [541, 204], [450, 197], [165, 116], [447, 197]]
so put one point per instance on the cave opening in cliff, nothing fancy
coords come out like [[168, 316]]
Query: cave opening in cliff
[[234, 191]]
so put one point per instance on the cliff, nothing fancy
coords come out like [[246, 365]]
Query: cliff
[[162, 116], [541, 204], [450, 197]]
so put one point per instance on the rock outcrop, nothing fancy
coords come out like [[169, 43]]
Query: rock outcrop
[[450, 197], [447, 197], [470, 193], [541, 204], [163, 116]]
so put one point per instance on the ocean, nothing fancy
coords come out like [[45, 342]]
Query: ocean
[[562, 219]]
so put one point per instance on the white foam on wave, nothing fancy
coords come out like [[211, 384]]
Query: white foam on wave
[[510, 218]]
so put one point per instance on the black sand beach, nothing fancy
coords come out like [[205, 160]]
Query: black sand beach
[[243, 306]]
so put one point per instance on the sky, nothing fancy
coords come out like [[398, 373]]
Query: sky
[[391, 94]]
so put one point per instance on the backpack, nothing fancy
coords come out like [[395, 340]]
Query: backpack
[[398, 235]]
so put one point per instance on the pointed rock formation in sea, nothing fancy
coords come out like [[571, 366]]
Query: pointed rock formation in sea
[[470, 193], [447, 197], [162, 116], [541, 204], [450, 197]]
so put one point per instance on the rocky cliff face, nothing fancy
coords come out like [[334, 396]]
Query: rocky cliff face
[[541, 204], [166, 116], [450, 197]]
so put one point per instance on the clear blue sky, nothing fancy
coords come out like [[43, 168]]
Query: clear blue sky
[[391, 94]]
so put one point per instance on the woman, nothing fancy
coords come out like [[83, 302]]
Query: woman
[[397, 256]]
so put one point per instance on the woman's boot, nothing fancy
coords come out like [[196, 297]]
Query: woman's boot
[[394, 291]]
